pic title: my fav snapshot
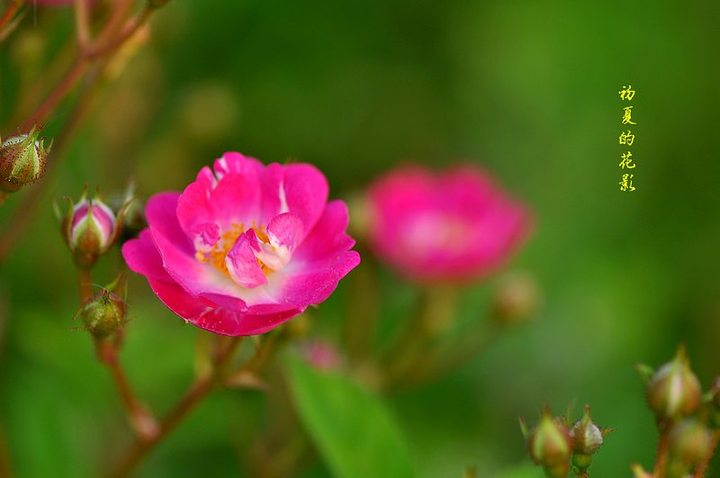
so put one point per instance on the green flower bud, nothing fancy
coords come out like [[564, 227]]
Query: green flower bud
[[103, 314], [23, 159], [550, 446], [689, 443], [674, 390], [587, 436]]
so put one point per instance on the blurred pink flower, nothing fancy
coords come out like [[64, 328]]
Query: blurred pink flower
[[454, 225], [321, 354], [245, 247]]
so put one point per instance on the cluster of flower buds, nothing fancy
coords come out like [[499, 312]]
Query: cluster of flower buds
[[22, 160], [90, 228], [104, 314], [558, 447], [686, 418]]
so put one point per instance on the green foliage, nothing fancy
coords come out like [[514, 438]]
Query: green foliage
[[352, 428]]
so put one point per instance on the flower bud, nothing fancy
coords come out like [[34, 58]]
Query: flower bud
[[22, 160], [689, 442], [587, 438], [516, 299], [674, 390], [90, 228], [103, 314], [550, 446]]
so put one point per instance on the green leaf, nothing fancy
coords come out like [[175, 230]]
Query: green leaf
[[351, 428]]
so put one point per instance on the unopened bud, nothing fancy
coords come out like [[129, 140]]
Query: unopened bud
[[689, 443], [516, 299], [22, 160], [103, 314], [674, 390], [587, 438], [550, 446], [131, 210], [90, 227]]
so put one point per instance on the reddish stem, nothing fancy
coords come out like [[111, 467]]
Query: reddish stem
[[66, 83], [141, 419], [9, 13], [197, 392], [662, 453]]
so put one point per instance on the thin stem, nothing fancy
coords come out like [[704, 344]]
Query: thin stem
[[10, 10], [17, 223], [67, 82], [84, 280], [662, 453], [24, 211], [113, 25], [705, 463], [197, 392], [82, 23], [141, 419], [128, 32]]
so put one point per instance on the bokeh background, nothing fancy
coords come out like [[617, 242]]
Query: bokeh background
[[526, 89]]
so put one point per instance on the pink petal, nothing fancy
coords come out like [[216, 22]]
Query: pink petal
[[142, 257], [329, 235], [207, 315], [321, 260], [297, 188], [178, 300], [233, 162], [178, 253], [286, 230], [229, 322], [242, 262], [231, 198], [160, 213]]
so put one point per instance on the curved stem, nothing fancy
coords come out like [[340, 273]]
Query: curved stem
[[197, 392], [705, 463], [73, 74], [128, 32], [22, 214], [141, 419], [9, 13]]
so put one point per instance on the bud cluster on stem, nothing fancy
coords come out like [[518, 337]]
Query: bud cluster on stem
[[684, 417], [688, 423], [558, 447]]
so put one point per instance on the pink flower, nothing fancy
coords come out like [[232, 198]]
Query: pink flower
[[450, 226], [245, 247], [321, 354]]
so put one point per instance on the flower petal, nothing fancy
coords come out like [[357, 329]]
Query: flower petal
[[321, 260], [297, 188], [230, 322], [142, 257], [242, 263]]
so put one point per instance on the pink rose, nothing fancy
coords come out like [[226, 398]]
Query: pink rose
[[245, 247], [454, 225]]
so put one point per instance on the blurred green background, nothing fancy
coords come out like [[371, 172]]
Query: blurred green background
[[526, 89]]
